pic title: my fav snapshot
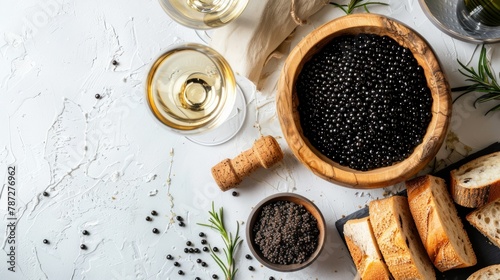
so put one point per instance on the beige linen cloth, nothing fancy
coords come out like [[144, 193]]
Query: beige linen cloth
[[249, 41]]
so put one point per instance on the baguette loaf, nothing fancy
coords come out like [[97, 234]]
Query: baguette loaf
[[487, 220], [477, 182], [438, 224], [398, 240], [491, 272], [364, 250]]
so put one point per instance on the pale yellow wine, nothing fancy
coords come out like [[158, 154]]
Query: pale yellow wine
[[191, 88]]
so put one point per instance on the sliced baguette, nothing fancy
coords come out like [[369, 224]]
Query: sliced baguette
[[491, 272], [438, 224], [477, 182], [364, 250], [398, 240], [487, 220]]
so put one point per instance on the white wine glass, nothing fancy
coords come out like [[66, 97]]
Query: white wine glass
[[202, 15], [192, 90]]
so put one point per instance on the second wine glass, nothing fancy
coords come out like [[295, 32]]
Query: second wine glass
[[203, 14]]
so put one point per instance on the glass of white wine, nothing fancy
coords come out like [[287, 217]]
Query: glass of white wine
[[191, 89], [203, 14]]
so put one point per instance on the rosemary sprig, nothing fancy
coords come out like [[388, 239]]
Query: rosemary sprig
[[353, 4], [483, 81], [231, 243]]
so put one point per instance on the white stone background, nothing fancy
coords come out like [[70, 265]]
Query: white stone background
[[107, 163]]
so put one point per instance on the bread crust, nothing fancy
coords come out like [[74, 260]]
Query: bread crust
[[438, 224]]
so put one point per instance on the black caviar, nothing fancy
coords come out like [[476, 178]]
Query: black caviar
[[85, 232], [83, 247], [45, 194], [286, 233], [364, 101]]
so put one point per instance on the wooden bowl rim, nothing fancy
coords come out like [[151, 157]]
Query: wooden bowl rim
[[298, 199], [326, 168]]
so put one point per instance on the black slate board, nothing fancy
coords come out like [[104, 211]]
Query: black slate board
[[486, 252]]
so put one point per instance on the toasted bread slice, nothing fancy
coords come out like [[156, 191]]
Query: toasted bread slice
[[491, 272], [438, 224], [487, 220], [364, 250], [398, 239], [477, 182]]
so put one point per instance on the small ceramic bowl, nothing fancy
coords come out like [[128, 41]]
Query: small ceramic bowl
[[297, 199], [287, 102]]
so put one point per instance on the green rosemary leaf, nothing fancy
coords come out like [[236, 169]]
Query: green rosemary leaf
[[354, 4], [216, 222], [496, 108], [483, 81]]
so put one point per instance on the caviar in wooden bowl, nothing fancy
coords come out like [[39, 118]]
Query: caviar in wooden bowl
[[286, 232], [363, 102]]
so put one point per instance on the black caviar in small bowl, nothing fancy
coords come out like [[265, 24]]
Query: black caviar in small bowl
[[301, 224]]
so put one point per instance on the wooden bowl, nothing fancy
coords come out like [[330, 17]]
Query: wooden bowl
[[329, 170], [295, 198]]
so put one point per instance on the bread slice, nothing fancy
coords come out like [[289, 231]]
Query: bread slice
[[398, 239], [438, 224], [491, 272], [364, 250], [487, 220], [477, 182]]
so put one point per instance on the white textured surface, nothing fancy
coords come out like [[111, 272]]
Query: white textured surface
[[107, 163]]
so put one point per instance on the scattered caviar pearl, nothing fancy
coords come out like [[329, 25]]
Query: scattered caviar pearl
[[271, 278], [205, 249], [85, 232], [97, 96], [191, 250], [186, 250], [83, 247], [45, 241], [114, 62], [235, 193], [204, 264], [197, 278], [45, 194], [248, 257], [202, 234], [155, 230], [215, 249], [154, 213], [169, 257], [203, 241], [250, 268], [188, 243], [198, 260], [148, 218], [214, 276], [181, 224], [180, 272], [179, 218], [177, 264], [196, 250]]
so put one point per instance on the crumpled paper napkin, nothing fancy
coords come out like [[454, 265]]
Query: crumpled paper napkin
[[253, 38]]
